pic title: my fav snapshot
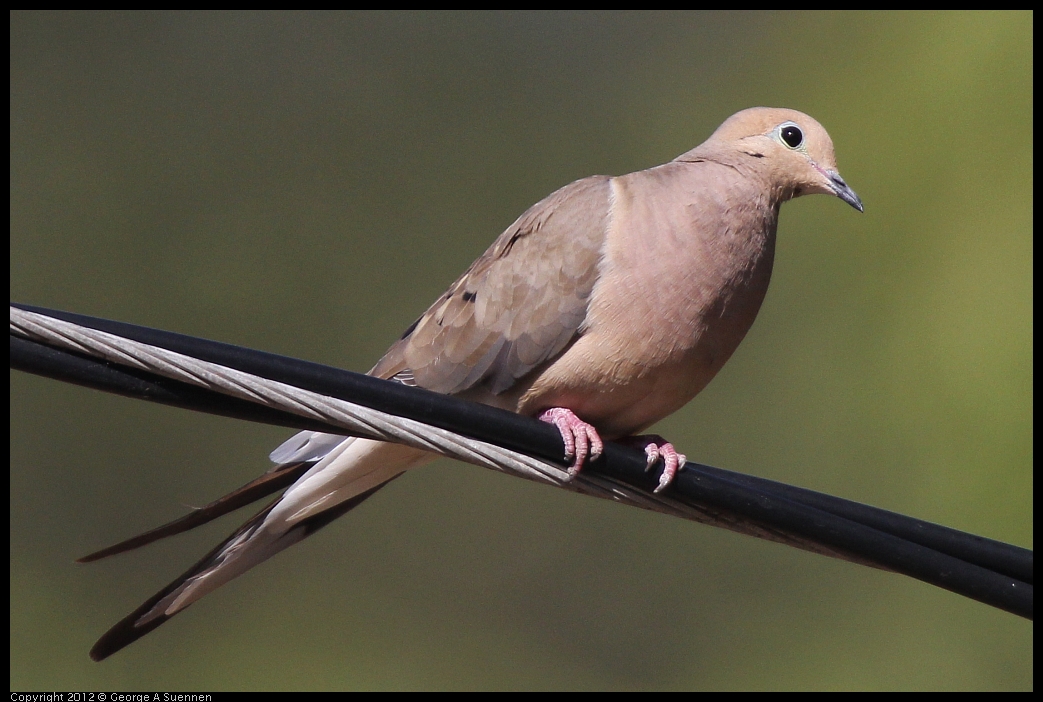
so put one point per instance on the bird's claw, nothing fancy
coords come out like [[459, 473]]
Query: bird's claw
[[656, 447], [581, 439]]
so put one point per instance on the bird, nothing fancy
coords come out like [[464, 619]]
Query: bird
[[602, 309]]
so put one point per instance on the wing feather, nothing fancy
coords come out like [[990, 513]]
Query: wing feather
[[518, 305]]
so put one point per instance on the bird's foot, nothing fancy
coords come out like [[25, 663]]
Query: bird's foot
[[581, 439], [656, 447]]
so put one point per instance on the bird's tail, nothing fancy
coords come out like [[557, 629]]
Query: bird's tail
[[342, 478]]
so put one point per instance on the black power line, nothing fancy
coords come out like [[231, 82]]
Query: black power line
[[989, 571]]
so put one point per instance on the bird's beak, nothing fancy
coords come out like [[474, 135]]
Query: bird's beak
[[843, 190]]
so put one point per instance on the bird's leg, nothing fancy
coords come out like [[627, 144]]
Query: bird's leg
[[581, 439], [656, 447]]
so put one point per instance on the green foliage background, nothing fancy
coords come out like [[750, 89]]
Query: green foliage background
[[308, 183]]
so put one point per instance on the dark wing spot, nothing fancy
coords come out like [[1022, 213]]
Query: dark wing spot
[[412, 328], [510, 244], [470, 296]]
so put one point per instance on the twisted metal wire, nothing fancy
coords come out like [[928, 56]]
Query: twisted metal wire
[[939, 561], [355, 419]]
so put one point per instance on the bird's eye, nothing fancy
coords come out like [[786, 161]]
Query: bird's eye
[[792, 136]]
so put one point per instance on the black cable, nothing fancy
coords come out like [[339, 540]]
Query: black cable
[[986, 570]]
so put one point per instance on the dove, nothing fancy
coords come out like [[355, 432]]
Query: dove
[[602, 309]]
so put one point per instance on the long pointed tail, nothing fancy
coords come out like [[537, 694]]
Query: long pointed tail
[[345, 477], [164, 604], [277, 479]]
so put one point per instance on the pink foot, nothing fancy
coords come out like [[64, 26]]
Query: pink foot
[[581, 439], [656, 447]]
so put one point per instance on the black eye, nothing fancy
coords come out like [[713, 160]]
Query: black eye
[[792, 135]]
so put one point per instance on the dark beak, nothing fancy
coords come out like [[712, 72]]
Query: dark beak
[[844, 191]]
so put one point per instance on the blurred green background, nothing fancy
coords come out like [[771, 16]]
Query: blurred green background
[[308, 183]]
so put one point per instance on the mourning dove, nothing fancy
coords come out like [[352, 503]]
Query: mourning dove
[[602, 309]]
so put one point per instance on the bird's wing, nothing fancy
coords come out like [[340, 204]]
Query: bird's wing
[[517, 306]]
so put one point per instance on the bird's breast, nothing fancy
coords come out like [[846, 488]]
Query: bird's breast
[[680, 282]]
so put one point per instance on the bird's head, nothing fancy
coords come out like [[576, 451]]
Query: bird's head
[[793, 150]]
